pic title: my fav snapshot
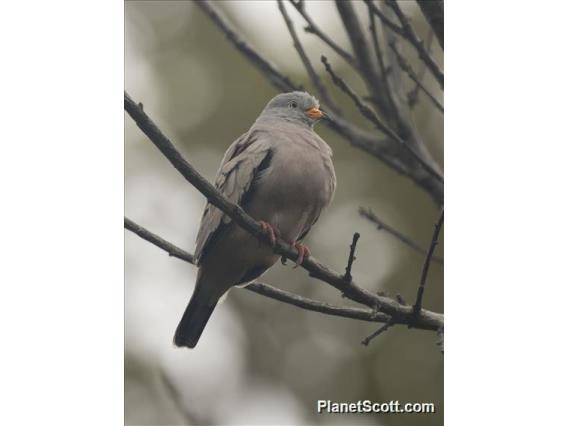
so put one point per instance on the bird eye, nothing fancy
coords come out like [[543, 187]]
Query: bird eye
[[293, 104]]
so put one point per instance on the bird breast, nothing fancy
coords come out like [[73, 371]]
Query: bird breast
[[291, 192]]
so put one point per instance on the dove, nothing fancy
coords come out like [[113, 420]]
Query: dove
[[281, 173]]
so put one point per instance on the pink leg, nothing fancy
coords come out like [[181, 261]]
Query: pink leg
[[303, 253], [269, 230]]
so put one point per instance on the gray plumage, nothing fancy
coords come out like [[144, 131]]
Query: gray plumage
[[280, 172]]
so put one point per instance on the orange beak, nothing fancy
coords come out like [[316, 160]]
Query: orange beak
[[314, 113]]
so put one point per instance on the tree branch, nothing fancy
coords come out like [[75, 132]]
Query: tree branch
[[420, 294], [368, 214], [385, 20], [158, 241], [312, 28], [413, 94], [279, 80], [401, 314], [369, 114], [366, 66], [368, 315], [404, 125], [405, 66], [433, 10], [381, 60], [418, 44], [351, 258], [320, 87], [384, 328], [264, 289]]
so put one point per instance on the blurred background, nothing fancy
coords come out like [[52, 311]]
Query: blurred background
[[260, 361]]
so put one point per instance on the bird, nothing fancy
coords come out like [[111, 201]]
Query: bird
[[281, 173]]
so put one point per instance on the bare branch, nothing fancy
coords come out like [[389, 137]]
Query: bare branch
[[433, 10], [264, 289], [366, 66], [419, 296], [388, 153], [385, 20], [418, 44], [320, 87], [312, 28], [352, 257], [158, 241], [401, 314], [368, 214], [405, 66], [357, 38], [372, 117], [413, 94], [316, 306], [384, 328], [404, 125], [381, 61], [281, 81], [392, 86]]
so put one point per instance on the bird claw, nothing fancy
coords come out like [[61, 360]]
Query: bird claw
[[269, 230], [303, 253]]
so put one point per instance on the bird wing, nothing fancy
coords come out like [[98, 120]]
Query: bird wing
[[241, 165]]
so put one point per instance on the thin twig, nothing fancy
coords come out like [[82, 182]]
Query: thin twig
[[381, 61], [405, 66], [403, 314], [417, 42], [392, 87], [157, 241], [404, 126], [372, 117], [320, 87], [381, 225], [368, 315], [264, 289], [385, 20], [281, 81], [351, 258], [312, 28], [433, 10], [384, 328], [420, 294], [412, 96], [366, 66]]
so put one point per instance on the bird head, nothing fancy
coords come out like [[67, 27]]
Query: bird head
[[299, 107]]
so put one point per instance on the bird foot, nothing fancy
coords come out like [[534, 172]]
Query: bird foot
[[270, 231], [303, 253]]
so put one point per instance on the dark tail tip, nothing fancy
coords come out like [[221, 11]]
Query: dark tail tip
[[192, 323]]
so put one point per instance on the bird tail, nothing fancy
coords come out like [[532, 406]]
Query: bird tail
[[194, 319]]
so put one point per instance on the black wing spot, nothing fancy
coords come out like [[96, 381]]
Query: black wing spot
[[258, 171]]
